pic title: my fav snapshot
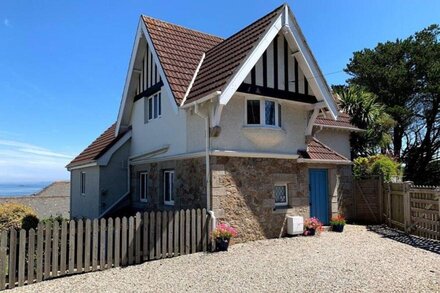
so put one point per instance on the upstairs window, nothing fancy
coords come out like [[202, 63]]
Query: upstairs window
[[143, 187], [82, 183], [154, 106], [263, 112], [168, 187]]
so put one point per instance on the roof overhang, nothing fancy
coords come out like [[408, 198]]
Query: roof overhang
[[334, 162]]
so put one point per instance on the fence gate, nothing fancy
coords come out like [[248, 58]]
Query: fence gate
[[367, 200]]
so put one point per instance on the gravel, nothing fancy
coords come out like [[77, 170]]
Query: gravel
[[357, 260]]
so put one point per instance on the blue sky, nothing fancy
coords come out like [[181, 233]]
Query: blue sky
[[63, 63]]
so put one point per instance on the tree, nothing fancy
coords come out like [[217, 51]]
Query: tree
[[368, 114], [405, 76]]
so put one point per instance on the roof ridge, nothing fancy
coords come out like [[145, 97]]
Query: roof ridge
[[181, 26], [328, 148]]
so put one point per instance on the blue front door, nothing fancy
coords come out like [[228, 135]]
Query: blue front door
[[319, 195]]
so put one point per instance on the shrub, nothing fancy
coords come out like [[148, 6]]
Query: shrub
[[381, 165], [16, 215], [52, 219], [338, 220]]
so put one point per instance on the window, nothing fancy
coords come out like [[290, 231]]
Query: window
[[143, 187], [253, 111], [154, 106], [168, 187], [83, 183], [280, 192], [263, 112]]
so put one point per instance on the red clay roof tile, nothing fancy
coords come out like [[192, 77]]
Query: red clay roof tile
[[316, 150], [342, 121]]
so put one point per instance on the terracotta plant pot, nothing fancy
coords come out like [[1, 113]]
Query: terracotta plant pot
[[337, 228], [221, 244]]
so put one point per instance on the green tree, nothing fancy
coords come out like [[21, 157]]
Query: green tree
[[368, 114], [405, 77]]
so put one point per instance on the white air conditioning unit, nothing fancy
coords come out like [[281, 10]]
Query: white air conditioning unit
[[295, 225]]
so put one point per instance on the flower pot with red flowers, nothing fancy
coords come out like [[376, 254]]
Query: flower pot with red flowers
[[222, 235], [312, 226], [338, 222]]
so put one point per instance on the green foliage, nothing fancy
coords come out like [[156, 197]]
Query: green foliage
[[368, 114], [17, 216], [52, 219], [381, 165], [404, 75]]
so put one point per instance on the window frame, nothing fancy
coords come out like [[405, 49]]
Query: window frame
[[82, 183], [262, 100], [143, 196], [170, 187], [154, 106], [281, 204]]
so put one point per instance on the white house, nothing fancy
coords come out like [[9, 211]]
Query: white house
[[245, 126]]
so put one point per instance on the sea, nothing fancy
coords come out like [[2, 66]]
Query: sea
[[21, 189]]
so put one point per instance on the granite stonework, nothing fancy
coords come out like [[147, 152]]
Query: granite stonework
[[242, 191], [190, 184]]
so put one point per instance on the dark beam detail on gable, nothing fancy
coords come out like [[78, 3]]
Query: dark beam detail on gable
[[306, 85], [253, 78], [275, 93], [150, 91]]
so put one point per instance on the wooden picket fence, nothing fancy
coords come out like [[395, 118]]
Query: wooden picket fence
[[54, 249], [413, 209]]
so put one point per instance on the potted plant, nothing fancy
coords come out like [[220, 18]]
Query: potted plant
[[222, 235], [312, 226], [337, 222]]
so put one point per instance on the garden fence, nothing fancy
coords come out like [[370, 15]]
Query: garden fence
[[413, 209], [57, 249]]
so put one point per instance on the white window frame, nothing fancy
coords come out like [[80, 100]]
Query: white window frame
[[170, 187], [281, 204], [82, 183], [143, 178], [278, 106], [155, 107]]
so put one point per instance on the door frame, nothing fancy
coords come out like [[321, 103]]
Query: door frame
[[327, 198]]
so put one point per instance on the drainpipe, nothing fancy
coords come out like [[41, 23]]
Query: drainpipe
[[207, 163]]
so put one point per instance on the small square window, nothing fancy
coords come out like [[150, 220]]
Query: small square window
[[280, 192]]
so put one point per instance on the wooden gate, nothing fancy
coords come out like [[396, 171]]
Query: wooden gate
[[367, 200]]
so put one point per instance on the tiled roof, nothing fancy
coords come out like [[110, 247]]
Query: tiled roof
[[97, 148], [179, 50], [316, 150], [342, 121], [222, 61]]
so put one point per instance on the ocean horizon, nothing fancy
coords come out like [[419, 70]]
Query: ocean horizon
[[21, 189]]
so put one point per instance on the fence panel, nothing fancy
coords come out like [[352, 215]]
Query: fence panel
[[54, 249]]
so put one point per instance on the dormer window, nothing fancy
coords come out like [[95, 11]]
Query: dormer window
[[263, 112]]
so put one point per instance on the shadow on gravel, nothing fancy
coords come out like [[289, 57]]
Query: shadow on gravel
[[397, 235]]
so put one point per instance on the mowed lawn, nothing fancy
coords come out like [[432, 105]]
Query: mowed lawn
[[358, 260]]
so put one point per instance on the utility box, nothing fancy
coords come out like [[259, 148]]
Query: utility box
[[295, 225]]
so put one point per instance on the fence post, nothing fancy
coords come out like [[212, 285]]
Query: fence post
[[406, 205]]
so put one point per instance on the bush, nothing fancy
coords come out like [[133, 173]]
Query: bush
[[380, 165], [18, 216], [52, 219]]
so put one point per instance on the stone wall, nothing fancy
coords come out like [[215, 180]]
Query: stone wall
[[190, 185], [242, 190]]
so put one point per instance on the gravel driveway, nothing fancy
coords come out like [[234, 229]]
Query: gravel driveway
[[354, 261]]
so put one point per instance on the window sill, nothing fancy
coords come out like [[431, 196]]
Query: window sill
[[263, 127]]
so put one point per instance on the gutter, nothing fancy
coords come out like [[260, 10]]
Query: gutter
[[335, 162]]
